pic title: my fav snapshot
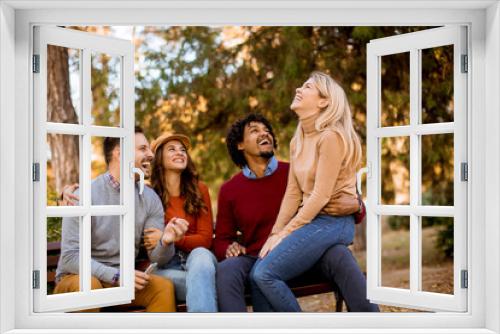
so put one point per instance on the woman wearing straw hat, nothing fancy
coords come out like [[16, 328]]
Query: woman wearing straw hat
[[185, 198]]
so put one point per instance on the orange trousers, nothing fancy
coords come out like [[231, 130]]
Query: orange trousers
[[157, 296]]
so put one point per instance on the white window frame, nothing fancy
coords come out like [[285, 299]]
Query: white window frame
[[86, 43], [16, 20], [413, 43]]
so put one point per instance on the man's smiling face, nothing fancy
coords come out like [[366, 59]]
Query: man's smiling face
[[143, 154], [257, 141]]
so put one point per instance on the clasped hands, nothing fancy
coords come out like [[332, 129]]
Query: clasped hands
[[235, 249]]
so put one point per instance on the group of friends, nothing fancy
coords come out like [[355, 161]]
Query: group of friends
[[275, 220]]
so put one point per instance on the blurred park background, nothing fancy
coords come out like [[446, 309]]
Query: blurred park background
[[199, 80]]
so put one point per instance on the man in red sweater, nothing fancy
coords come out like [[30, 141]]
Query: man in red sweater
[[247, 209]]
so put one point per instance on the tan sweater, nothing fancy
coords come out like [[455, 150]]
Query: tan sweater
[[318, 183]]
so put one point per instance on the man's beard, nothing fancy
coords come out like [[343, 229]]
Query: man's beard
[[267, 155]]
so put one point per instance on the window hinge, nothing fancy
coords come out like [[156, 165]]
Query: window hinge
[[465, 64], [36, 172], [36, 63], [464, 171], [464, 279], [36, 279]]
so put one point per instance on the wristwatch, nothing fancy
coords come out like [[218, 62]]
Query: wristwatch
[[116, 279]]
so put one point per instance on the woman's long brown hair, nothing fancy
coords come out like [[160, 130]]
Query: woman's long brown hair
[[190, 190]]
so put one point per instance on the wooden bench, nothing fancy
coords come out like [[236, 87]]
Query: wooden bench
[[310, 283]]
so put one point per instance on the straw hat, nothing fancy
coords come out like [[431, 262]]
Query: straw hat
[[166, 137]]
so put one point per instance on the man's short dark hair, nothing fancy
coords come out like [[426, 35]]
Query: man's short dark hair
[[138, 129], [236, 133], [111, 142]]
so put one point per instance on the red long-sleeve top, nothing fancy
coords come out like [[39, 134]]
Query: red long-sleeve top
[[200, 231], [251, 207]]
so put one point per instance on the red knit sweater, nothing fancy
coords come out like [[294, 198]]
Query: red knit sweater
[[251, 207], [199, 233]]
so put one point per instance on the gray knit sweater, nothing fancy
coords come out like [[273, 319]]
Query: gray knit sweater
[[105, 234]]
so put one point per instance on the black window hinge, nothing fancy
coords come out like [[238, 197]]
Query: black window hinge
[[464, 171], [36, 279], [465, 64], [464, 279], [36, 63], [36, 172]]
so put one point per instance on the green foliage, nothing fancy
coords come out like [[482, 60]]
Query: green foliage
[[105, 88], [54, 225], [398, 223], [445, 238]]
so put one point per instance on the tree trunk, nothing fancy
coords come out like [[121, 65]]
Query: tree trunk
[[64, 148]]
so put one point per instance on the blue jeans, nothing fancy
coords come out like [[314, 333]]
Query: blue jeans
[[194, 279], [294, 255], [339, 266], [233, 276]]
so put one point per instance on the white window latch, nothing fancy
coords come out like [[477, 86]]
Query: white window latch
[[133, 171], [360, 173]]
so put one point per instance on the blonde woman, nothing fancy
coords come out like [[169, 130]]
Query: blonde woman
[[316, 211]]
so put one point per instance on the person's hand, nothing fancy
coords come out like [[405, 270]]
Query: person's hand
[[151, 238], [235, 249], [174, 230], [272, 241], [141, 280], [67, 198]]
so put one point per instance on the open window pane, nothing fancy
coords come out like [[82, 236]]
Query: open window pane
[[63, 166], [437, 84], [437, 254], [395, 170], [395, 231], [395, 90], [437, 169], [106, 166], [106, 89], [105, 250], [63, 80], [65, 153], [438, 91]]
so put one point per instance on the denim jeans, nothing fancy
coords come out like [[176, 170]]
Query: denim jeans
[[338, 265], [294, 255], [194, 279], [232, 280]]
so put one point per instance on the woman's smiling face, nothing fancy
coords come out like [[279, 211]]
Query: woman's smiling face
[[307, 100], [174, 156]]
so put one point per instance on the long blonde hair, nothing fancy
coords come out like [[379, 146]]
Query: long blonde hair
[[335, 116]]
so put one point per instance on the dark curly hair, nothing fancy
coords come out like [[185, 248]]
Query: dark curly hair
[[235, 136]]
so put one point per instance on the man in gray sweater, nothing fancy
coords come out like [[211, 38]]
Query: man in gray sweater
[[153, 292]]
